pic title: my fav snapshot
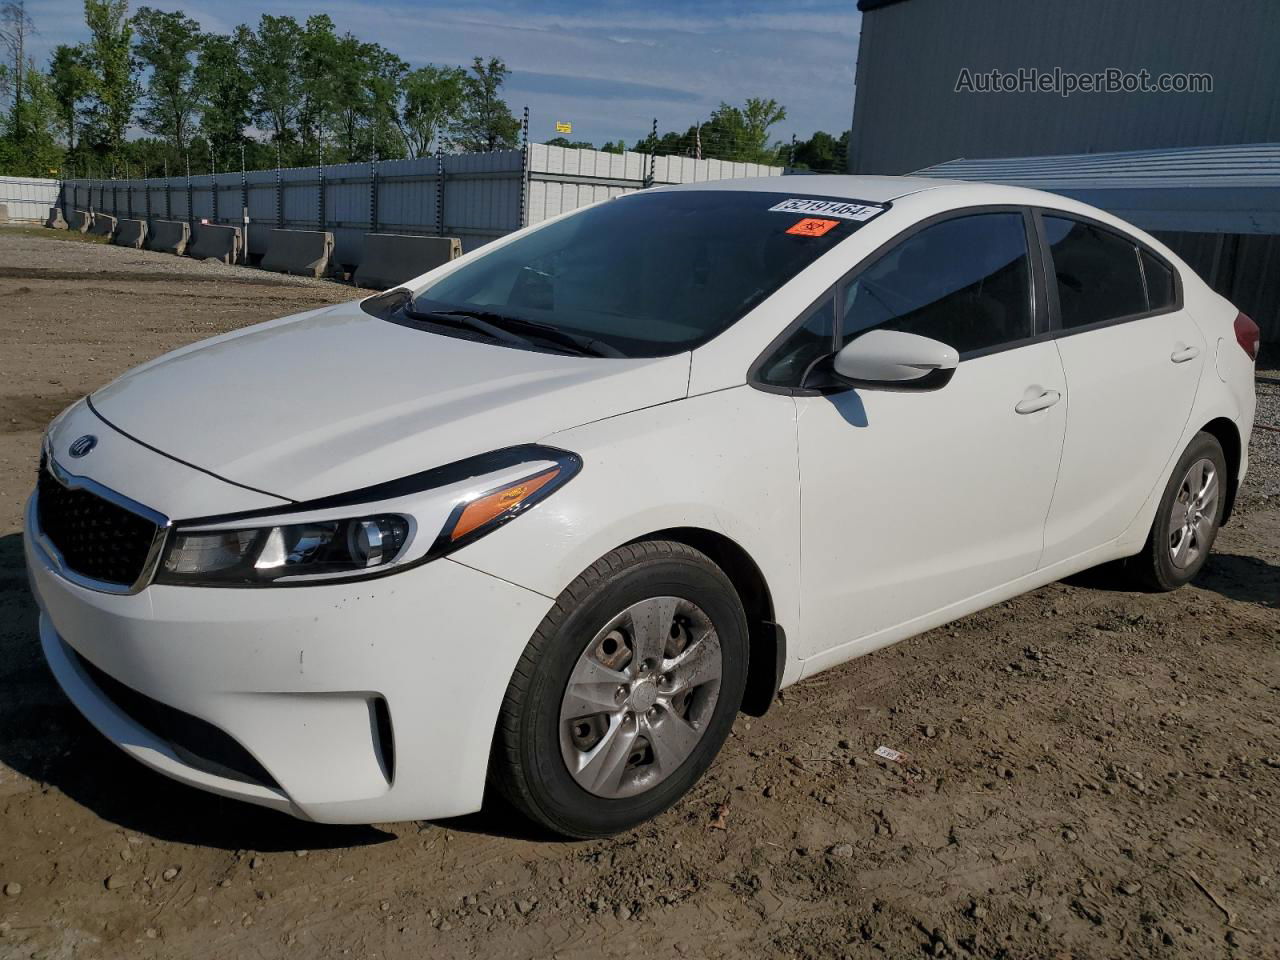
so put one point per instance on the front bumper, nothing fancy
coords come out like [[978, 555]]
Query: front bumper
[[294, 676]]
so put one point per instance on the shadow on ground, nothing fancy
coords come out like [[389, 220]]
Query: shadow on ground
[[1247, 579], [44, 738], [1236, 577]]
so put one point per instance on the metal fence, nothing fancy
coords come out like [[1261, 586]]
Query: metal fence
[[476, 197], [28, 198]]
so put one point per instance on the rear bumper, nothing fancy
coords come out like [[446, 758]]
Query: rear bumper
[[295, 679]]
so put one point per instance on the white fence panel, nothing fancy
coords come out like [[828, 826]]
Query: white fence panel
[[28, 198], [476, 197]]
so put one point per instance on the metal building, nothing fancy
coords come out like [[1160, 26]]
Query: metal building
[[911, 54], [1217, 207]]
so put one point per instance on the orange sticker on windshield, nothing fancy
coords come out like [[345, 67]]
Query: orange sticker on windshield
[[812, 227]]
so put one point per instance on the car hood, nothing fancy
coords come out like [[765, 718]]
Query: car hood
[[336, 399]]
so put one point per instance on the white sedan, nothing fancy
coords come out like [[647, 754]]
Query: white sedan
[[550, 516]]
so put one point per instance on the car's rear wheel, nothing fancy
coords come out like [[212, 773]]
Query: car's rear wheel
[[625, 693], [1186, 520]]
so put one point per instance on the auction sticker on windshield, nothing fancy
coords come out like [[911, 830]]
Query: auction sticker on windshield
[[828, 208], [812, 227]]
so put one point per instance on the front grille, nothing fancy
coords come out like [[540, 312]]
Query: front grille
[[97, 538], [197, 742]]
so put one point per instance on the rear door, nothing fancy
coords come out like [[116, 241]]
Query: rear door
[[1132, 357]]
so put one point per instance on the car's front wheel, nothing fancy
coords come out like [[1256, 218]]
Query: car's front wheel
[[625, 693], [1187, 519]]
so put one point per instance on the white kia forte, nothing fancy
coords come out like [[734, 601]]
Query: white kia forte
[[547, 518]]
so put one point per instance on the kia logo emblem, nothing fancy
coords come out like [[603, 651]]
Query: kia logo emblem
[[82, 445]]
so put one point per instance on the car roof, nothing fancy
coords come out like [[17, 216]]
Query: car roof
[[874, 189]]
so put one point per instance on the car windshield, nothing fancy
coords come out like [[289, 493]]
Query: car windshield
[[645, 275]]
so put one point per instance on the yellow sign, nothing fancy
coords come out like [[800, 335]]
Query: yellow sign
[[562, 127]]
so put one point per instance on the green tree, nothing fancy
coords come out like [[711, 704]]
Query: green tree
[[364, 82], [731, 133], [671, 144], [70, 83], [167, 44], [433, 99], [821, 153], [29, 132], [386, 77], [115, 89], [318, 53], [148, 156], [486, 122], [15, 29], [226, 92], [742, 133], [272, 56], [566, 142]]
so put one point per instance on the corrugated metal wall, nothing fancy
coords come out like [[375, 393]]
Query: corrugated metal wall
[[485, 195], [28, 198], [907, 114], [1217, 207], [1244, 269]]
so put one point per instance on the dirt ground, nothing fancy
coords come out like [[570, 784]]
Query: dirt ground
[[1092, 772]]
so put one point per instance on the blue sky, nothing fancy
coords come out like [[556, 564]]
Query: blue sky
[[609, 67]]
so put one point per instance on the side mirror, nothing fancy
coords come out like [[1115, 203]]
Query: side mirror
[[893, 360]]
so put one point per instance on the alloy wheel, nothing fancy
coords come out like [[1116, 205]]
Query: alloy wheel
[[1194, 512]]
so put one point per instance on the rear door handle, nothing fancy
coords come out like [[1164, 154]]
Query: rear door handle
[[1183, 354], [1043, 402]]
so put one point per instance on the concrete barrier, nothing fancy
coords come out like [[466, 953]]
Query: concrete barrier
[[212, 241], [4, 213], [81, 220], [169, 236], [302, 252], [390, 258], [130, 233], [55, 221], [103, 225]]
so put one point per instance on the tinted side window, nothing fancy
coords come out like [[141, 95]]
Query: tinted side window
[[1161, 294], [810, 341], [1097, 271], [964, 281]]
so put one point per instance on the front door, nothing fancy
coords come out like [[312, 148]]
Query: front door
[[912, 502]]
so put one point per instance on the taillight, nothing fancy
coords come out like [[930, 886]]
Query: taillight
[[1248, 336]]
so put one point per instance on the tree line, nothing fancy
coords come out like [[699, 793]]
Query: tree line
[[289, 92]]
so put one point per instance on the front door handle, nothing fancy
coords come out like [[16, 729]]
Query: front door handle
[[1042, 402], [1183, 354]]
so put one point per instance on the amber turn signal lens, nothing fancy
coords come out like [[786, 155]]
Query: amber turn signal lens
[[491, 506]]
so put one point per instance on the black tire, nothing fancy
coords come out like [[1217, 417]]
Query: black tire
[[527, 766], [1154, 569]]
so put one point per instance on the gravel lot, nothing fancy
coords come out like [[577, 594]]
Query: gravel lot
[[1092, 772]]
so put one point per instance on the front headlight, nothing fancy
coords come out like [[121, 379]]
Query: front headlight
[[370, 532], [263, 555]]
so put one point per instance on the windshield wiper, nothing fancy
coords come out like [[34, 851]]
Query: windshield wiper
[[469, 320], [502, 326], [589, 346]]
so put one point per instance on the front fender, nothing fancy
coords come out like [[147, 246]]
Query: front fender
[[724, 462]]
